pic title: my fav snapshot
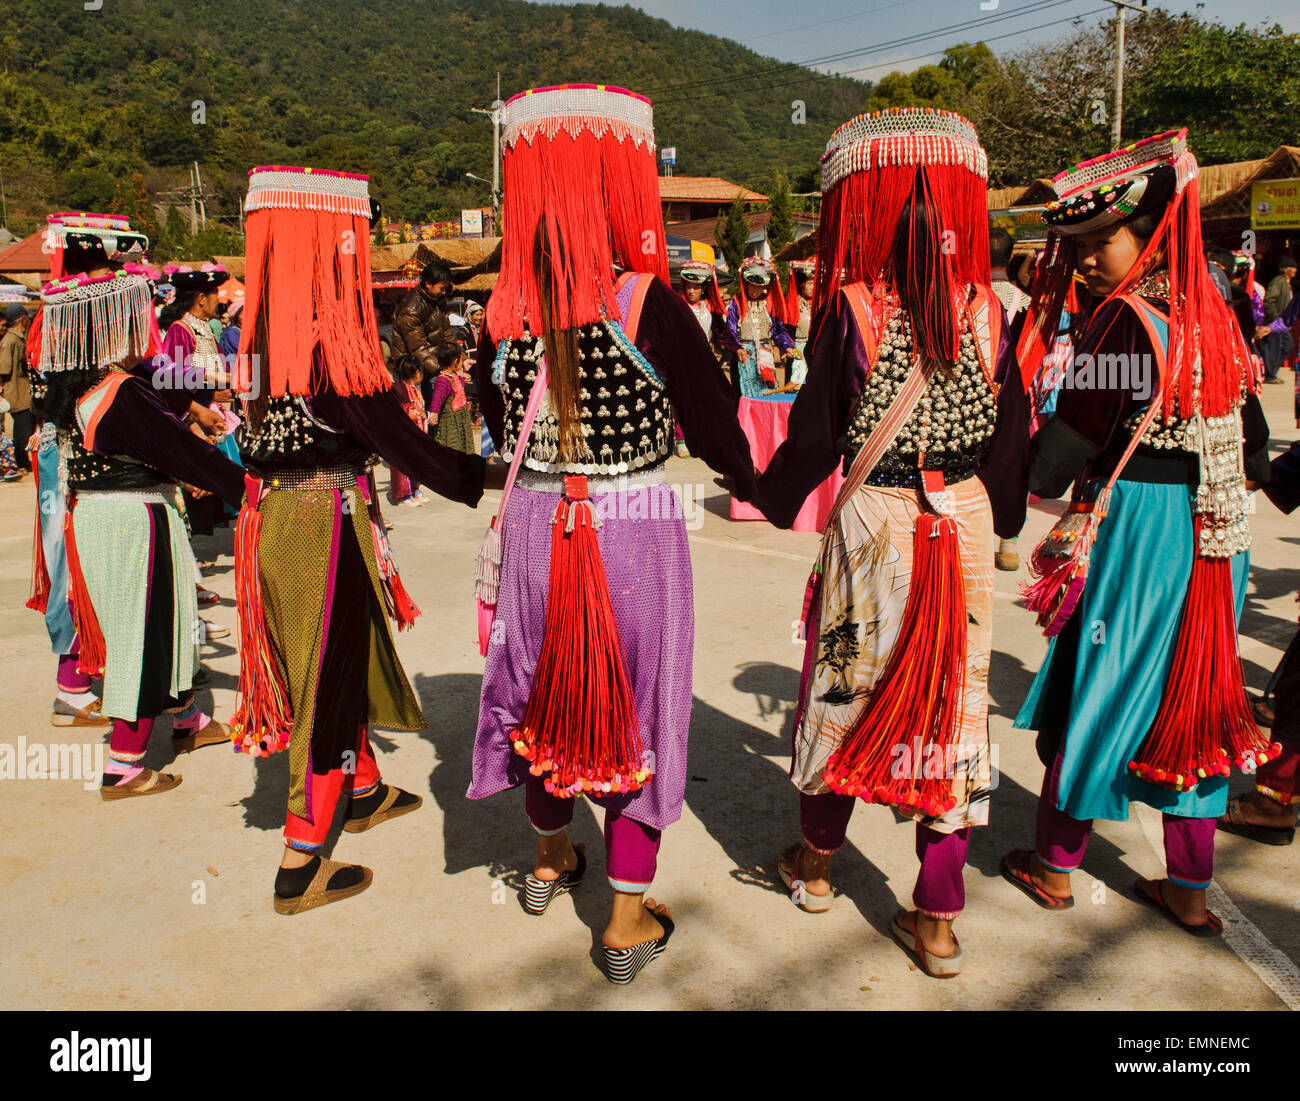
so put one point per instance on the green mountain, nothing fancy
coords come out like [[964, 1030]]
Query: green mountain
[[89, 98]]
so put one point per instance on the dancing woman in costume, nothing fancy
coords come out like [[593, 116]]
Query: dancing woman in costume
[[130, 568], [80, 244], [587, 689], [1140, 697], [912, 386], [314, 575]]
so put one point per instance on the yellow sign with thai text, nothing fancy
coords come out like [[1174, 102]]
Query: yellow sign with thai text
[[1275, 204]]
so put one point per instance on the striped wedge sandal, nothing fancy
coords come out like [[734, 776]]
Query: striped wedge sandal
[[622, 965], [540, 893]]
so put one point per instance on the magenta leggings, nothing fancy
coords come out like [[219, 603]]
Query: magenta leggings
[[1061, 840], [71, 679], [939, 890], [129, 740], [631, 849]]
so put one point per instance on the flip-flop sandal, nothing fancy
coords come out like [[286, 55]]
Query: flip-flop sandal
[[622, 965], [1212, 927], [1015, 870], [540, 893], [148, 782], [387, 809], [1231, 821], [937, 967], [318, 892], [214, 733], [792, 876]]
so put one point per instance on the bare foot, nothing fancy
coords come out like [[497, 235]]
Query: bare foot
[[627, 931], [936, 934], [555, 854], [1187, 903], [1056, 884], [812, 868]]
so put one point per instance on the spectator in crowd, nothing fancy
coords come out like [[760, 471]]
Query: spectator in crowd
[[17, 388], [1221, 263], [1277, 347], [422, 325]]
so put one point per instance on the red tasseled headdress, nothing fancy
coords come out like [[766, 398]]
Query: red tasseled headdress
[[578, 159], [1109, 189], [308, 283], [798, 270], [871, 168]]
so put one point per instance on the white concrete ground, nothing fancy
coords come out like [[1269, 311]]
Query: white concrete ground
[[165, 902]]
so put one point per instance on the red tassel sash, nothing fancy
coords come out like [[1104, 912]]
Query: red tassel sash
[[264, 717], [40, 598], [1204, 724], [580, 727], [888, 755], [94, 653]]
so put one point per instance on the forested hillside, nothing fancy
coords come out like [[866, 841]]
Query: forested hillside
[[88, 98]]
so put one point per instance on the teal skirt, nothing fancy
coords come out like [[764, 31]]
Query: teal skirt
[[1103, 679]]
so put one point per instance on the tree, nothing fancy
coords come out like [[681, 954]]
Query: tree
[[780, 229], [732, 233], [131, 199]]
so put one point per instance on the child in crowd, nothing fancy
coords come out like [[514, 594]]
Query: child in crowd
[[449, 415], [402, 490]]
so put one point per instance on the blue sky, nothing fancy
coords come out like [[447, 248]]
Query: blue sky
[[804, 30]]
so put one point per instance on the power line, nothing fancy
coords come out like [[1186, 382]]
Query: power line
[[827, 22], [908, 40], [881, 64]]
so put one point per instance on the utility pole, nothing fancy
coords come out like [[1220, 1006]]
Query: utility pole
[[198, 186], [495, 114], [1117, 130]]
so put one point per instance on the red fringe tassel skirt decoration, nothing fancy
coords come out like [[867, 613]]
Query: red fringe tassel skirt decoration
[[94, 653], [580, 727], [40, 598], [264, 718], [917, 702], [1204, 724]]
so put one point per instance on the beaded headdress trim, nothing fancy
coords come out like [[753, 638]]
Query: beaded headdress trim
[[902, 135], [281, 187], [1142, 156], [598, 109], [89, 323]]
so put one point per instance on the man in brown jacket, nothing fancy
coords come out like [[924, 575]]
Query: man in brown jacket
[[421, 325], [17, 388]]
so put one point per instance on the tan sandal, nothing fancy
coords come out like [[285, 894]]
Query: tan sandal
[[908, 936], [801, 896], [148, 782], [386, 810], [214, 733], [318, 892], [64, 714]]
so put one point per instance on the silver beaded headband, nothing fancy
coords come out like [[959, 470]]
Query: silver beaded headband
[[277, 187], [1142, 156], [902, 135], [573, 108]]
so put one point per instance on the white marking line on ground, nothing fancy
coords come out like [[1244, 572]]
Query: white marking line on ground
[[807, 560], [1275, 969]]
